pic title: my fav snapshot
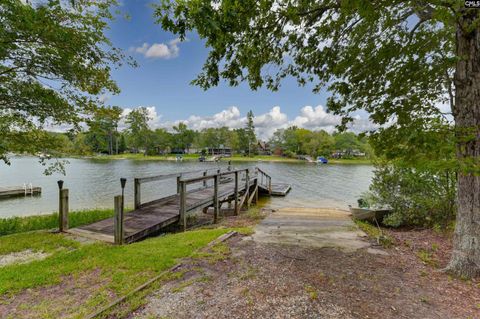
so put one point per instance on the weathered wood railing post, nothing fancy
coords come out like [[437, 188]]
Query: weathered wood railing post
[[62, 207], [205, 181], [179, 187], [256, 190], [118, 233], [137, 196], [236, 192], [183, 205], [270, 185], [247, 186], [216, 208]]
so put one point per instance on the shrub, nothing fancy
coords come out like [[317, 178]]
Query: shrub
[[418, 196]]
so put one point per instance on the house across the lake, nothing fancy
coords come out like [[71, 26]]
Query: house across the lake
[[263, 148], [223, 151], [348, 153]]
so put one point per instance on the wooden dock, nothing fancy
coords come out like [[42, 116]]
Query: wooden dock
[[195, 191], [13, 191], [280, 189]]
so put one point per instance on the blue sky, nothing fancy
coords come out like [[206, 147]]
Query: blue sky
[[162, 83]]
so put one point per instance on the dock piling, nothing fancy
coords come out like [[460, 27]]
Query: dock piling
[[62, 207], [179, 187], [247, 186], [137, 193], [216, 207], [118, 231], [183, 205], [236, 193]]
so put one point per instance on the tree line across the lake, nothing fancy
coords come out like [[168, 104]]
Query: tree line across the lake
[[103, 136]]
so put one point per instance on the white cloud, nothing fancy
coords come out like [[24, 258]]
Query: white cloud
[[316, 119], [266, 124], [159, 50], [230, 118]]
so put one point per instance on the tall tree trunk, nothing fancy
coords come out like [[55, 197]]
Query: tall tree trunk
[[465, 259]]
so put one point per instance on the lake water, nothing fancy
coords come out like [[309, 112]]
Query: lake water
[[94, 183]]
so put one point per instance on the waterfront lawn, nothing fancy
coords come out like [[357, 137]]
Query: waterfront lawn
[[78, 278], [14, 225]]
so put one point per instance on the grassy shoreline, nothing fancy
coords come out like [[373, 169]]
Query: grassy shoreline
[[194, 157], [13, 225]]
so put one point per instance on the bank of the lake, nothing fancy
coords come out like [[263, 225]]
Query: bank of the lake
[[235, 158]]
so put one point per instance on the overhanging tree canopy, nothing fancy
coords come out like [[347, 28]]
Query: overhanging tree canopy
[[398, 60], [55, 62]]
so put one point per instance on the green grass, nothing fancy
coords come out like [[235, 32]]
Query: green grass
[[265, 158], [355, 161], [374, 233], [14, 225], [427, 258], [116, 269]]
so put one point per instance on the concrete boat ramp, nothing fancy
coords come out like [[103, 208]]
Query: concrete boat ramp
[[311, 227]]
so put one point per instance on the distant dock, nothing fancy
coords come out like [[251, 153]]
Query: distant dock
[[15, 191]]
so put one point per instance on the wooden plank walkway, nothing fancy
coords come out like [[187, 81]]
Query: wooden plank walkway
[[150, 218], [11, 191]]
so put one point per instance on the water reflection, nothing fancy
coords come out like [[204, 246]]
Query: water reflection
[[93, 183]]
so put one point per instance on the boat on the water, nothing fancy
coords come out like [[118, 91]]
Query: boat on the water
[[369, 214], [322, 160]]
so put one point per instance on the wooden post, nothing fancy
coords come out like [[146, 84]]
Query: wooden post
[[204, 181], [118, 233], [137, 193], [236, 192], [247, 186], [215, 200], [183, 205], [63, 210], [256, 191], [179, 187], [270, 185]]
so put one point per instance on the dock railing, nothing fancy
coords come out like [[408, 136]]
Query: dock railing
[[139, 181], [265, 180], [216, 177]]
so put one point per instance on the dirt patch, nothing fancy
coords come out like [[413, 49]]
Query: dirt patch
[[22, 257], [62, 300], [261, 280], [433, 248]]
